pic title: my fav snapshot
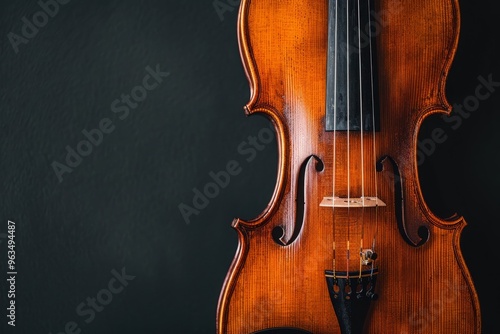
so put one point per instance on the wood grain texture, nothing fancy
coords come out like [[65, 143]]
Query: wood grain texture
[[425, 289]]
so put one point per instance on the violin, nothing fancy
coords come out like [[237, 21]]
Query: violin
[[347, 243]]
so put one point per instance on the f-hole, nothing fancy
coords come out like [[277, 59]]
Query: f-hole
[[278, 233], [403, 226]]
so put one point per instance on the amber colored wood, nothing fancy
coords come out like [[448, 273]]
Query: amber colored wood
[[426, 289]]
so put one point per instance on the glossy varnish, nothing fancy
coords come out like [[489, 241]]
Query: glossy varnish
[[423, 285]]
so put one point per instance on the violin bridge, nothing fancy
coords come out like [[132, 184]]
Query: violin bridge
[[351, 202]]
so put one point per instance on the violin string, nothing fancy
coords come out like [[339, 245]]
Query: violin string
[[375, 175], [348, 142], [361, 136], [334, 3], [361, 106]]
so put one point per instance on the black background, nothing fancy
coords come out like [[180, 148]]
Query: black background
[[119, 207]]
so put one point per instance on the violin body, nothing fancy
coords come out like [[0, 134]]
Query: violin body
[[342, 195]]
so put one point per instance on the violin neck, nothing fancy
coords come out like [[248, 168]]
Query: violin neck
[[351, 93]]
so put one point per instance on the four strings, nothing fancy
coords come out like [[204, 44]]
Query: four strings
[[348, 135]]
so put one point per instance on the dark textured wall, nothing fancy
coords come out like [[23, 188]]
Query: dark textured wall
[[82, 222]]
